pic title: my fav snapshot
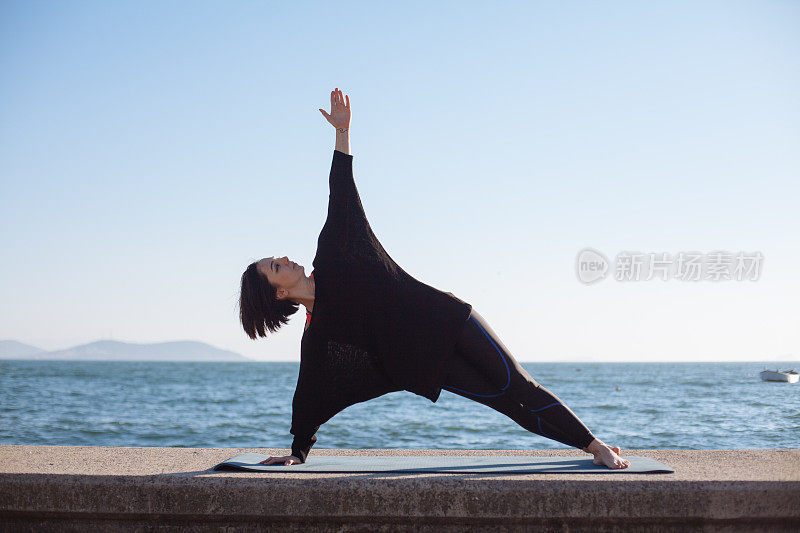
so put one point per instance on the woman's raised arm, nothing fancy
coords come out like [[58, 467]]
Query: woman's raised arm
[[339, 118]]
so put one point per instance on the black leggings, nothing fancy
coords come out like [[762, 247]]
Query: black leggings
[[482, 369]]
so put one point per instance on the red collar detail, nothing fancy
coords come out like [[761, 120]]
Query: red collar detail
[[308, 315]]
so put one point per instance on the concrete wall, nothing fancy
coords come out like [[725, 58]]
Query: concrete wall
[[68, 488]]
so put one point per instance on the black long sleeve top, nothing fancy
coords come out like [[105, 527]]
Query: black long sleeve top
[[374, 329]]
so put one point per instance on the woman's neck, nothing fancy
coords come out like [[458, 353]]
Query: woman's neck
[[303, 293]]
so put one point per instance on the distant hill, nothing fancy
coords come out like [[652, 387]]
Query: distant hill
[[17, 350], [107, 350]]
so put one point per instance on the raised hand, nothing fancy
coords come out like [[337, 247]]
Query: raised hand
[[339, 116]]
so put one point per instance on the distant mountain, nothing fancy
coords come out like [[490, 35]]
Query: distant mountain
[[17, 350], [125, 351]]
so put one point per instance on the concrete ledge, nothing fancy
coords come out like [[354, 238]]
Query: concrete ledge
[[79, 488]]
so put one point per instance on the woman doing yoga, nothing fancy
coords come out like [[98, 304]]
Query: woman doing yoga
[[371, 329]]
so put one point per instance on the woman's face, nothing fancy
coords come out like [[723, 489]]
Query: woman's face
[[281, 273]]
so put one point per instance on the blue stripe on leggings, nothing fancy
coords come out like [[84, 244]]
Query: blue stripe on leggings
[[539, 419], [503, 357], [546, 406]]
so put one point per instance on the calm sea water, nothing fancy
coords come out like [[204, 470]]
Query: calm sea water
[[658, 405]]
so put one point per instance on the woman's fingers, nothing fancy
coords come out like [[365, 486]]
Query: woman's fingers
[[339, 98], [286, 460]]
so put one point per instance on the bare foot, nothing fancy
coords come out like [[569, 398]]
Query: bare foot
[[606, 455]]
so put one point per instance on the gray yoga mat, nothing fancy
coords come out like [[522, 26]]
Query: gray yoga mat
[[447, 464]]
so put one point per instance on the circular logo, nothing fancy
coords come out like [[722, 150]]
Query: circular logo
[[590, 266]]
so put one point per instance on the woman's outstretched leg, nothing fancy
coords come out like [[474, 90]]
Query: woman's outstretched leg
[[483, 370], [547, 416]]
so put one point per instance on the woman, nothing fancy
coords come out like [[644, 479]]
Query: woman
[[372, 329]]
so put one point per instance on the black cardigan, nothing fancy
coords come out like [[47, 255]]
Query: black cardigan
[[374, 328]]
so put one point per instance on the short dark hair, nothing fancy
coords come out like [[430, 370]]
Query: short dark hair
[[259, 307]]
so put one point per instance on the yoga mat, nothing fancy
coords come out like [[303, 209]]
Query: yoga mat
[[447, 464]]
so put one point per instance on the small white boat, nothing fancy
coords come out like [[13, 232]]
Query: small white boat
[[789, 376]]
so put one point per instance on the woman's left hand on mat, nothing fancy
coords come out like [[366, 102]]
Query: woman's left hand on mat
[[287, 460]]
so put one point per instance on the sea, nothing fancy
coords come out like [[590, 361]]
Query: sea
[[692, 406]]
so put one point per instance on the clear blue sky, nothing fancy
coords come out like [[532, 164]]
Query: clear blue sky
[[150, 150]]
